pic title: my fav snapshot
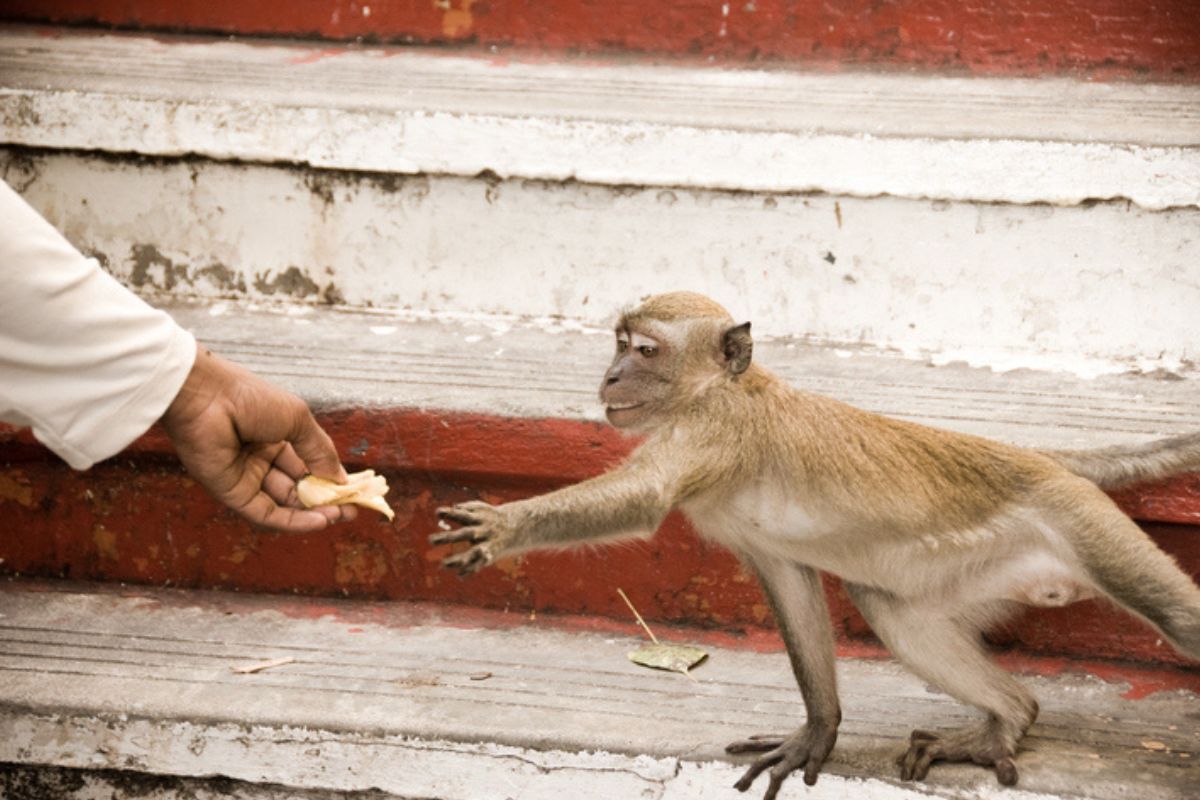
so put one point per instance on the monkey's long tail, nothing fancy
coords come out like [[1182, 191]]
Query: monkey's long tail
[[1129, 567], [1114, 467]]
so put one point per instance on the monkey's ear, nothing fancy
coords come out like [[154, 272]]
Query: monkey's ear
[[737, 347]]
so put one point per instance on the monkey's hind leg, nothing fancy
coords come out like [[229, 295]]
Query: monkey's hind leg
[[948, 652], [798, 600]]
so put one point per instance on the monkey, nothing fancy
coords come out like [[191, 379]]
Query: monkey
[[935, 534]]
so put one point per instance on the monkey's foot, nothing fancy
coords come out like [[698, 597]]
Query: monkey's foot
[[985, 745], [807, 748]]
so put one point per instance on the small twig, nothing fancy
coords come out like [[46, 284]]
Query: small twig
[[641, 621], [252, 668]]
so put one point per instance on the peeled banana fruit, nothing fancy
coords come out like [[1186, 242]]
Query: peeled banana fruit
[[364, 489]]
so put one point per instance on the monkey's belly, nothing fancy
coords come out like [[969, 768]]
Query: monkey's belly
[[1010, 559]]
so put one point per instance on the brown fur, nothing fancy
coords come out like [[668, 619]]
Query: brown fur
[[936, 534]]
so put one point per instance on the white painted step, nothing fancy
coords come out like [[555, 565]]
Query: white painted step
[[551, 368], [421, 702], [1012, 223]]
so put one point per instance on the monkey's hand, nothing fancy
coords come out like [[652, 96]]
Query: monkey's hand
[[488, 528], [807, 748]]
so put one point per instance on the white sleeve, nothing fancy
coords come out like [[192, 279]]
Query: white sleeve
[[83, 361]]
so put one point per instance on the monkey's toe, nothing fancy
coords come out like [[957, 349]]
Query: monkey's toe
[[755, 744]]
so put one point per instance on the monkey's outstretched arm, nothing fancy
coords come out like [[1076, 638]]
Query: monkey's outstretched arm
[[630, 500], [798, 601]]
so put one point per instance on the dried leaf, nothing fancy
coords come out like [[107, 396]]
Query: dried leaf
[[259, 667], [479, 676], [1152, 745], [671, 657]]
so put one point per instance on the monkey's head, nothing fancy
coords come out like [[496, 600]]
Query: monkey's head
[[671, 348]]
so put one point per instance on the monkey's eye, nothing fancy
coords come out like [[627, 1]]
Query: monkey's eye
[[648, 351], [622, 345]]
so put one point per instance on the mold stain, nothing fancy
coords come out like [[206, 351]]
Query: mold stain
[[145, 258], [291, 282], [224, 278], [155, 270]]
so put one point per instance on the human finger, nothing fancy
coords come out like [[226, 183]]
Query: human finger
[[290, 463], [262, 510], [281, 487], [314, 446]]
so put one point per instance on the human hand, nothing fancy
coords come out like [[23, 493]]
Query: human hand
[[247, 442]]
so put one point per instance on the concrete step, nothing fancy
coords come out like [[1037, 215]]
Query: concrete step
[[452, 409], [121, 691], [1037, 223]]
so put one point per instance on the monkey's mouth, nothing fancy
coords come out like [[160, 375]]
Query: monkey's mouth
[[621, 414]]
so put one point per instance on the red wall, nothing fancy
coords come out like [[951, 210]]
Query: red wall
[[1158, 39]]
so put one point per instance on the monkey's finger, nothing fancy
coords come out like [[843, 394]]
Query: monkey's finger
[[466, 562], [922, 736], [458, 515], [1006, 771], [473, 566], [458, 560], [473, 534]]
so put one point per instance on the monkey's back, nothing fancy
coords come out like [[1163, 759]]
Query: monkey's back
[[905, 477]]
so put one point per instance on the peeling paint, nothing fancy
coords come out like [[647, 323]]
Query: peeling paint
[[359, 564], [457, 19], [106, 543], [16, 487]]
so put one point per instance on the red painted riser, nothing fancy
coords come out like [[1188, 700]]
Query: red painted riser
[[138, 518], [1159, 38]]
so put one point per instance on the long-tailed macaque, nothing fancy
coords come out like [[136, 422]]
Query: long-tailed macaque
[[936, 535]]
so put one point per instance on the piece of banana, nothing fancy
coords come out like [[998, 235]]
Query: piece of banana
[[364, 489]]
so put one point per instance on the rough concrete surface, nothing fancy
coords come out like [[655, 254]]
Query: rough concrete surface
[[418, 701]]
